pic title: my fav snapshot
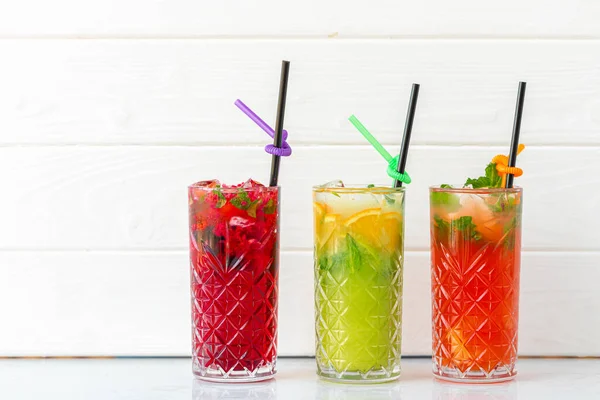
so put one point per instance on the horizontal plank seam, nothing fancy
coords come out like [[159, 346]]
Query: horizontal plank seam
[[315, 37]]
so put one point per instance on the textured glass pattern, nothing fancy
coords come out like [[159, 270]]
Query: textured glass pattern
[[358, 285], [234, 283], [475, 288]]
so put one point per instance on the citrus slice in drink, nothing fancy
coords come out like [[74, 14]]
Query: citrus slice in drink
[[320, 210], [376, 228], [326, 224]]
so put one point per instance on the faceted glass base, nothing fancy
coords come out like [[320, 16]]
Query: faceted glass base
[[219, 375], [372, 376], [500, 374]]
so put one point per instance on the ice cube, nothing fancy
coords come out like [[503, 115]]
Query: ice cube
[[240, 222], [207, 184], [473, 201], [333, 184], [250, 183]]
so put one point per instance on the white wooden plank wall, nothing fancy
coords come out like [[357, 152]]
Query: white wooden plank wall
[[108, 109]]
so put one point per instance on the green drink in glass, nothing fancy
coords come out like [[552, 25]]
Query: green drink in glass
[[359, 250]]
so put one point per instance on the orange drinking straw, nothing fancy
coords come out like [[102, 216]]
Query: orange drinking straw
[[502, 167]]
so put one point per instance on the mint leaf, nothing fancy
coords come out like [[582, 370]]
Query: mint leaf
[[442, 225], [445, 186], [325, 262], [510, 233], [505, 203], [335, 262], [463, 223], [492, 174], [490, 180], [464, 226], [336, 194], [389, 199], [359, 254], [252, 208], [270, 207], [241, 200], [480, 182], [243, 195], [221, 200], [370, 186]]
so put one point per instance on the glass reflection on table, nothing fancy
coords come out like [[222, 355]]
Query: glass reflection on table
[[202, 390], [336, 391], [465, 391]]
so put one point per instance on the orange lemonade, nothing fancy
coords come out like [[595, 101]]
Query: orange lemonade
[[475, 258]]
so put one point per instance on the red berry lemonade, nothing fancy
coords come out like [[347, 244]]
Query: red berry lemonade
[[234, 260]]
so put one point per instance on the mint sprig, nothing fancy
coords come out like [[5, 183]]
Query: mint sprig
[[490, 180]]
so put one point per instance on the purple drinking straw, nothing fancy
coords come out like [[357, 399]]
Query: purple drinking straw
[[285, 149]]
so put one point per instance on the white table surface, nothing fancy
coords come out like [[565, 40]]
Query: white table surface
[[133, 379]]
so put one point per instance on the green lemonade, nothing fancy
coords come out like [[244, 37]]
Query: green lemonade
[[358, 283]]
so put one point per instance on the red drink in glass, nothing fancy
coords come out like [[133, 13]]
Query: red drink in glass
[[475, 259], [234, 260]]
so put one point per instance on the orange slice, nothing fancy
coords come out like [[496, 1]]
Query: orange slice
[[319, 211], [377, 229], [325, 224]]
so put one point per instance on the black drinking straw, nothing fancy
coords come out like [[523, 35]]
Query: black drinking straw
[[277, 139], [514, 144], [412, 107]]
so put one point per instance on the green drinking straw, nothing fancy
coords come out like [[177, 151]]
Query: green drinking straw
[[361, 128], [392, 161]]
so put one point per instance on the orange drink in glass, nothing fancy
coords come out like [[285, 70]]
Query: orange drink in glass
[[475, 265]]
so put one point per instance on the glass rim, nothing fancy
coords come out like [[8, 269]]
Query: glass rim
[[359, 188], [438, 188], [200, 185]]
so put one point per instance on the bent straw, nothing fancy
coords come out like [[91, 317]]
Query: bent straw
[[391, 161], [258, 120], [410, 116], [275, 160], [514, 144], [361, 128]]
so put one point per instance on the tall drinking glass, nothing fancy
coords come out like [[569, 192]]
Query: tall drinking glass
[[359, 251], [475, 266], [234, 260]]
